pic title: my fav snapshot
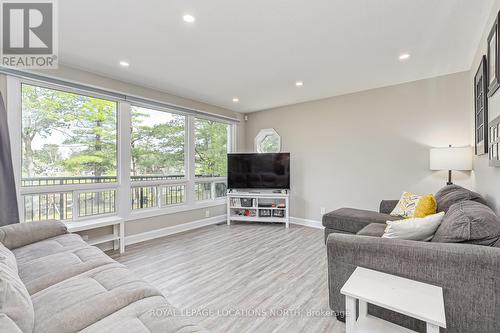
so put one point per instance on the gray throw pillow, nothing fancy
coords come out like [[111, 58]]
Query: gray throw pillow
[[469, 222], [452, 194]]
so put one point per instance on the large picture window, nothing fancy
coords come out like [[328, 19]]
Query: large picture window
[[211, 148], [85, 156], [157, 144], [157, 157], [67, 138]]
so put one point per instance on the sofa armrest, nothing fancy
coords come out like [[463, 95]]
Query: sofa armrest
[[21, 234], [468, 274], [387, 206]]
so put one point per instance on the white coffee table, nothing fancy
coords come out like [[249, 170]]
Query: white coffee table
[[411, 298]]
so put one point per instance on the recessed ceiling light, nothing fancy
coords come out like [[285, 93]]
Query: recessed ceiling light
[[299, 83], [236, 99], [124, 63], [404, 56], [188, 18]]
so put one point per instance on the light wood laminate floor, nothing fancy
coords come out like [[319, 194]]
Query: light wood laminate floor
[[244, 277]]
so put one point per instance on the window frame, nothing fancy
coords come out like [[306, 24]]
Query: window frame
[[123, 186], [231, 143], [14, 107]]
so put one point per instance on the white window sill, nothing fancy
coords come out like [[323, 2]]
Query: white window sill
[[153, 212]]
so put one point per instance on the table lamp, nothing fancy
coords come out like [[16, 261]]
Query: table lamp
[[451, 158]]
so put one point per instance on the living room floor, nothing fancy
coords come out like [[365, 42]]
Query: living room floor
[[244, 277]]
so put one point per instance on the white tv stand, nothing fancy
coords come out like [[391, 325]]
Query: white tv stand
[[260, 211]]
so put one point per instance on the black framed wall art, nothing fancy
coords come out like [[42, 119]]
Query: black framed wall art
[[492, 54], [481, 108]]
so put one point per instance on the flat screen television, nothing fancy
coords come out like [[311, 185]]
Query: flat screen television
[[258, 171]]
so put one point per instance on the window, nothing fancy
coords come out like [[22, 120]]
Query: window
[[157, 145], [173, 195], [158, 157], [144, 197], [67, 138], [96, 203], [220, 189], [211, 147], [48, 206], [68, 151], [203, 191]]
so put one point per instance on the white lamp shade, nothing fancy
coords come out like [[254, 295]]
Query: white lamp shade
[[451, 158]]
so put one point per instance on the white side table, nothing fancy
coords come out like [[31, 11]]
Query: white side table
[[411, 298]]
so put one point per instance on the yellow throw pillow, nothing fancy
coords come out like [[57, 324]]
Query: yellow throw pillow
[[414, 205], [426, 206]]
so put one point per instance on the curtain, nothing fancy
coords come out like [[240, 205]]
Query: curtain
[[8, 200]]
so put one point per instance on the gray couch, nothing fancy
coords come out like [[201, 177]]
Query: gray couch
[[351, 220], [52, 281], [469, 274]]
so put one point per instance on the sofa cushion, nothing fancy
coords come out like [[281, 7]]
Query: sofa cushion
[[469, 222], [21, 234], [329, 231], [152, 314], [497, 243], [452, 194], [353, 220], [7, 325], [47, 247], [75, 303], [15, 302], [7, 258], [43, 272], [373, 230], [387, 206]]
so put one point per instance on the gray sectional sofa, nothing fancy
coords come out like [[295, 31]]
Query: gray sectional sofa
[[52, 281], [463, 258]]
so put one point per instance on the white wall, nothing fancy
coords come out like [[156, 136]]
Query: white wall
[[357, 149], [487, 179]]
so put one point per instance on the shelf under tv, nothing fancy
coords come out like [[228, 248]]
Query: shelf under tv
[[236, 211]]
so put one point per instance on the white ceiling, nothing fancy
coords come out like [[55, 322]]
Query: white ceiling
[[257, 49]]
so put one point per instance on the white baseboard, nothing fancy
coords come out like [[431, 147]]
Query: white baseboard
[[157, 233], [306, 222]]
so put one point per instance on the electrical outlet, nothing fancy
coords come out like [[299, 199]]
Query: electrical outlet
[[323, 210], [207, 213], [85, 237]]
